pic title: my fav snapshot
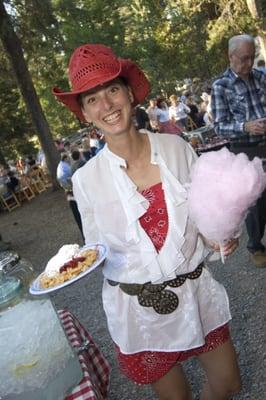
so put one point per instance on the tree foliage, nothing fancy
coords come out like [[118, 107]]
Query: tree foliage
[[170, 39]]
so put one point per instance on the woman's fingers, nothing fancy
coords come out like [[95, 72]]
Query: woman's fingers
[[230, 247], [227, 249]]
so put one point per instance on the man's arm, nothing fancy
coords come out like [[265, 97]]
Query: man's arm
[[224, 121]]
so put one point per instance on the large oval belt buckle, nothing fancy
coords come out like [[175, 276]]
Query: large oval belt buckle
[[161, 300]]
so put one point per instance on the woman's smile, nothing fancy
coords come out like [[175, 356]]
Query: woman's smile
[[109, 108], [112, 118]]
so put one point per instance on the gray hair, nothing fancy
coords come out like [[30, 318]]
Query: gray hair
[[235, 40]]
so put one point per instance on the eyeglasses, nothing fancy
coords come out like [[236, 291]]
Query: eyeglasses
[[244, 59]]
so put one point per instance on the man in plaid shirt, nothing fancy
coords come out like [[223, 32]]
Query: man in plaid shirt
[[238, 104]]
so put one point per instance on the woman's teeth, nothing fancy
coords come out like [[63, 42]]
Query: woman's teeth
[[112, 117]]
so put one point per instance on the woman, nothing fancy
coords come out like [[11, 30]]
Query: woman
[[193, 114], [165, 123], [152, 111], [178, 111], [86, 147], [162, 305]]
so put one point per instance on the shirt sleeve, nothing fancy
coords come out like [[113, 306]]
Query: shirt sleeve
[[89, 227], [225, 123], [63, 175]]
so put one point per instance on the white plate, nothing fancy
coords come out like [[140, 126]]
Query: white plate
[[36, 289]]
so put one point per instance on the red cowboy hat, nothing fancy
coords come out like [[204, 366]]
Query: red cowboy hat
[[92, 65]]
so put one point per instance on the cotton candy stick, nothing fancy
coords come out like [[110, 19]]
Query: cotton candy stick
[[222, 253]]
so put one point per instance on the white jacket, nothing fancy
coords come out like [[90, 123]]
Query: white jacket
[[110, 207]]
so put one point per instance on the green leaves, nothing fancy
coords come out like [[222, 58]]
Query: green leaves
[[170, 39]]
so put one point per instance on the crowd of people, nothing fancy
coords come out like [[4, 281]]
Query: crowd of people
[[176, 114], [11, 173]]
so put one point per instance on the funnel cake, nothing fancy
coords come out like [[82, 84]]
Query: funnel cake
[[69, 269]]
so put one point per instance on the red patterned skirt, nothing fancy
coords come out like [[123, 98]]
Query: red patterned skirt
[[170, 127], [147, 367]]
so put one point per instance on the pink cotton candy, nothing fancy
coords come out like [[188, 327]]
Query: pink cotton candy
[[223, 187]]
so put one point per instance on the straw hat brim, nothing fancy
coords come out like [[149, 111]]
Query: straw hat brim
[[130, 71]]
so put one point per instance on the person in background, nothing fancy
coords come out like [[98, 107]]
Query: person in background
[[194, 111], [30, 161], [12, 166], [206, 107], [152, 112], [64, 173], [95, 141], [21, 166], [178, 111], [165, 123], [59, 145], [77, 160], [8, 179], [239, 113], [196, 89], [101, 142], [41, 161], [67, 147], [141, 118], [162, 305], [86, 147], [183, 97], [12, 182]]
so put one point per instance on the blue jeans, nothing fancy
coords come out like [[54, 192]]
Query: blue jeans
[[255, 224]]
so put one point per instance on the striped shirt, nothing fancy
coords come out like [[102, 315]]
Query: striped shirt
[[235, 101]]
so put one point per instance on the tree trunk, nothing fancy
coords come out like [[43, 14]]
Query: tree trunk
[[13, 48], [256, 10], [254, 7], [2, 159]]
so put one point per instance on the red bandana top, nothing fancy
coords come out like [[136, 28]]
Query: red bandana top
[[155, 220]]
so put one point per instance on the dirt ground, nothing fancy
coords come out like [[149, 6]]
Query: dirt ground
[[40, 227]]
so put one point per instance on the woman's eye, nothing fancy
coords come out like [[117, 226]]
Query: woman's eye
[[90, 100], [114, 89]]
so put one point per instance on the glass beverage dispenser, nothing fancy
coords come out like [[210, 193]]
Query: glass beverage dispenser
[[36, 359]]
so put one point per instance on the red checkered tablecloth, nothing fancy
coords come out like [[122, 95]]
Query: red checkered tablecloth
[[96, 370]]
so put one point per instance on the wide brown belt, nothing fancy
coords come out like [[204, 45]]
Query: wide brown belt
[[154, 295]]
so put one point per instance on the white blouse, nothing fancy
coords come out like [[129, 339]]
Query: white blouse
[[110, 207], [163, 115], [179, 111]]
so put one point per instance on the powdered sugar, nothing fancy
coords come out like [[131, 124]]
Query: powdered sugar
[[65, 254]]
